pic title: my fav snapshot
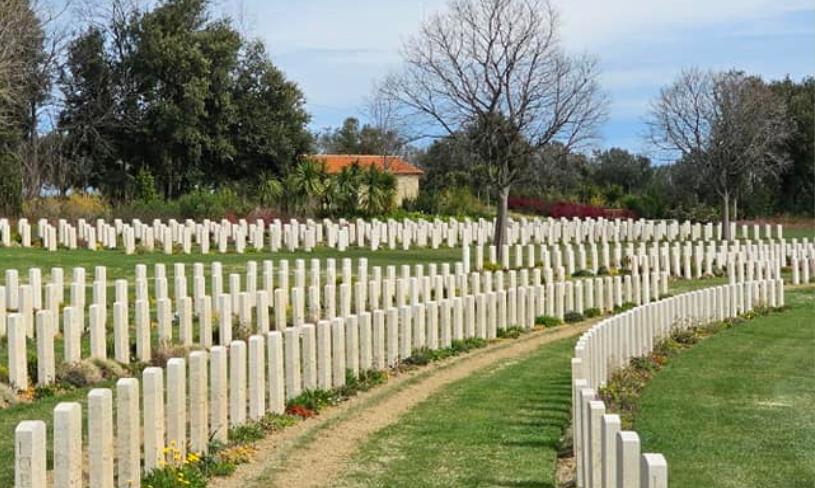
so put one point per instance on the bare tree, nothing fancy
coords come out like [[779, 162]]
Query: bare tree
[[382, 111], [730, 126], [496, 69], [19, 29]]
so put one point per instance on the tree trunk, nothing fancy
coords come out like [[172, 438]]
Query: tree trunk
[[736, 208], [501, 221], [726, 216]]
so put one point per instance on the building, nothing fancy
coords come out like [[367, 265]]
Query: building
[[407, 175]]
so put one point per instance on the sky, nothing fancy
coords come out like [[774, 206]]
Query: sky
[[336, 49]]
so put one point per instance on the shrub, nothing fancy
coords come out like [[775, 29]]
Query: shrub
[[548, 321], [566, 209], [8, 396], [685, 337], [591, 313], [492, 267], [625, 306], [78, 205], [145, 185], [314, 400], [421, 357], [364, 382], [573, 317], [245, 433], [509, 333], [581, 273], [468, 344], [603, 271], [176, 472], [44, 391], [79, 374], [147, 210], [110, 369]]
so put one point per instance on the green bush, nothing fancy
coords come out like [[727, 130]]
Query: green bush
[[145, 185], [573, 317], [457, 201], [625, 306], [548, 321], [591, 313], [582, 273], [509, 333], [314, 400]]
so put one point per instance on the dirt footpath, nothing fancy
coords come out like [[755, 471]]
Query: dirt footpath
[[314, 453]]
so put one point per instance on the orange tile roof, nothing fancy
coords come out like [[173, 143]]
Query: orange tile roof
[[334, 163]]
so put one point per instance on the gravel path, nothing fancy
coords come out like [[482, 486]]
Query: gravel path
[[314, 453]]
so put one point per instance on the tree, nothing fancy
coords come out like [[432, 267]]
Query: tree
[[496, 69], [305, 186], [90, 117], [180, 93], [269, 126], [796, 189], [21, 53], [730, 126], [353, 138], [342, 140], [378, 191], [619, 167]]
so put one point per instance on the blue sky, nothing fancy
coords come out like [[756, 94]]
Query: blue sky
[[335, 49]]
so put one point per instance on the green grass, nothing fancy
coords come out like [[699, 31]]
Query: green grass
[[750, 421], [121, 265], [42, 409], [500, 427], [799, 232]]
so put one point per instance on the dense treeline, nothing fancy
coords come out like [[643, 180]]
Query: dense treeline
[[169, 108], [169, 94]]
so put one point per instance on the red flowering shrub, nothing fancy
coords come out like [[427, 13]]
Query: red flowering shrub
[[567, 210], [299, 411], [527, 205]]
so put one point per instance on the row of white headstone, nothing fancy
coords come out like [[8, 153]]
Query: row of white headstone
[[688, 260], [547, 260], [608, 457], [211, 391], [295, 235], [254, 310]]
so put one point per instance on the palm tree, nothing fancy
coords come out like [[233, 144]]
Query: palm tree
[[347, 186], [379, 190], [305, 186], [270, 190]]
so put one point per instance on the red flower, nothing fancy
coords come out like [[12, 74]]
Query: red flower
[[299, 411]]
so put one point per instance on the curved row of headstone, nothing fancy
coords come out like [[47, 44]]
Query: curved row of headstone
[[273, 304], [607, 456], [209, 392], [224, 236], [555, 263], [475, 311]]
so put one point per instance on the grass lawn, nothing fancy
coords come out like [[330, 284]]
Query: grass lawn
[[42, 409], [500, 427], [121, 265], [750, 419]]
